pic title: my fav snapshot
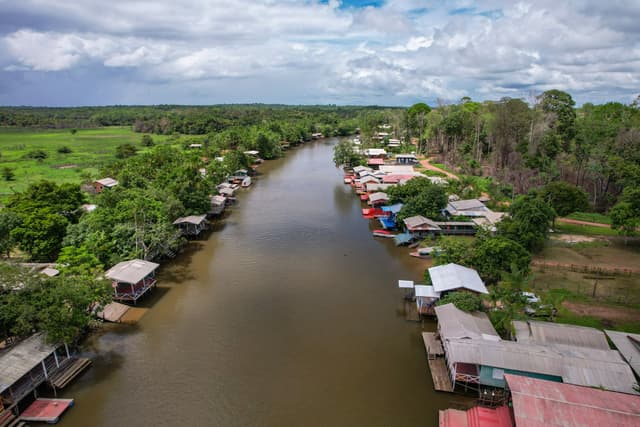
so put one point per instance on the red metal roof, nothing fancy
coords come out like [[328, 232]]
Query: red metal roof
[[375, 162], [396, 178], [538, 402], [476, 417]]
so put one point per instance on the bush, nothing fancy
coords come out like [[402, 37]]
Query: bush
[[64, 150], [465, 301], [38, 155]]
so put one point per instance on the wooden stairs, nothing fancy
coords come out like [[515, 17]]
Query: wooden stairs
[[69, 369], [7, 419]]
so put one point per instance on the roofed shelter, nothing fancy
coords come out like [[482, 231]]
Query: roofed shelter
[[27, 365], [453, 277], [537, 402], [380, 198], [192, 225], [103, 183], [132, 279], [218, 204]]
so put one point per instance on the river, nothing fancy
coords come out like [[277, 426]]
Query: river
[[287, 314]]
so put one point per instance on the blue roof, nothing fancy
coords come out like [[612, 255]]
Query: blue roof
[[392, 208], [403, 238], [388, 222]]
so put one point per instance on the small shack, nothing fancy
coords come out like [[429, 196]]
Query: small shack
[[454, 277], [132, 279], [104, 183], [406, 159], [218, 205], [377, 199], [192, 225], [33, 362]]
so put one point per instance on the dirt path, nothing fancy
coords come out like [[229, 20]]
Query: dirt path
[[605, 312], [578, 222], [427, 165]]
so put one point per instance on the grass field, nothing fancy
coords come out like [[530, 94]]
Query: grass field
[[90, 150], [588, 230], [590, 217]]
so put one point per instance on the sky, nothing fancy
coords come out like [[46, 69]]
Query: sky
[[356, 52]]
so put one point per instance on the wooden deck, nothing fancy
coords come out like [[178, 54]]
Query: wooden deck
[[7, 419], [113, 312], [69, 369], [440, 375], [432, 345], [411, 311]]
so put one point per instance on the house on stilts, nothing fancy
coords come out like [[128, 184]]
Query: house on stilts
[[132, 279]]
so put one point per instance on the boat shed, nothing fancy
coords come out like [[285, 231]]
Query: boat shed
[[192, 225], [132, 279], [379, 198], [27, 365], [453, 277], [218, 204], [536, 403], [629, 346]]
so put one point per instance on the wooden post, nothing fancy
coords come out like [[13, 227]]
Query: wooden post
[[55, 356], [44, 367], [66, 347]]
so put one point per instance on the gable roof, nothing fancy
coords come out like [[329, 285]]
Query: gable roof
[[192, 219], [131, 271], [374, 197], [453, 276], [629, 349], [538, 332], [419, 221], [454, 323], [470, 204], [538, 402], [401, 169], [107, 182], [21, 358]]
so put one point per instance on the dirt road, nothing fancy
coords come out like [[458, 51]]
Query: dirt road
[[427, 165]]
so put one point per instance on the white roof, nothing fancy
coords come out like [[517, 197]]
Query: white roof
[[359, 169], [378, 196], [396, 169], [405, 284], [108, 182], [368, 178], [131, 271], [51, 272], [218, 200], [195, 145], [453, 276], [468, 205], [375, 152], [426, 291], [89, 207], [252, 152], [191, 219], [406, 156]]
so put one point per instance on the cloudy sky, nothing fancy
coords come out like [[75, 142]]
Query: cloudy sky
[[386, 52]]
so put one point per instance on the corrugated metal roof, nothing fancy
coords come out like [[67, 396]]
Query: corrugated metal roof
[[557, 333], [426, 291], [21, 358], [192, 219], [629, 350], [108, 182], [454, 323], [465, 205], [131, 271], [396, 169], [453, 276], [419, 220], [392, 208], [538, 402], [373, 187], [378, 196]]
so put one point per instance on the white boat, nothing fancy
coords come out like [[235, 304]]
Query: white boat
[[246, 181]]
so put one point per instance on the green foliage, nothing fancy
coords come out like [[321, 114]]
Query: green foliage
[[8, 221], [625, 216], [494, 256], [39, 155], [565, 198], [57, 306], [147, 141], [125, 150], [590, 217], [344, 154], [528, 223], [64, 150], [78, 261], [40, 233], [465, 301], [7, 173]]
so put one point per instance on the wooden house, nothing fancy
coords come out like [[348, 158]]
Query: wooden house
[[132, 279], [192, 225], [29, 364], [218, 205], [104, 183], [421, 227]]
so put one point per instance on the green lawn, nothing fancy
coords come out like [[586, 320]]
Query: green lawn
[[590, 217], [90, 150], [588, 230]]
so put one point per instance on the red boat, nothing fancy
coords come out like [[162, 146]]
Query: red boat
[[370, 213], [383, 233]]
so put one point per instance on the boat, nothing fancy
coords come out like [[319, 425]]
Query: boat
[[246, 181], [383, 233], [426, 252]]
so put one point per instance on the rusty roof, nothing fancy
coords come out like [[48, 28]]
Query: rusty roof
[[538, 402]]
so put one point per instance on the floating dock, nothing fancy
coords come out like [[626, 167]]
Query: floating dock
[[46, 410], [437, 364]]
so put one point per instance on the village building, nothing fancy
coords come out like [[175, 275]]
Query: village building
[[104, 183], [628, 345], [406, 159], [372, 187], [397, 169], [478, 359], [377, 199], [31, 363], [132, 279], [192, 225], [489, 220], [375, 153], [218, 205], [470, 208], [454, 277], [420, 227]]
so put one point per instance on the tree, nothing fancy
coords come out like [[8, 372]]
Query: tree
[[625, 219], [344, 154], [428, 203], [465, 301], [565, 198], [417, 118], [125, 150], [147, 140], [528, 223], [40, 233], [8, 221], [494, 256], [7, 173], [78, 261]]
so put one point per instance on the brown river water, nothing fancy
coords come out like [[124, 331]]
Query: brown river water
[[287, 314]]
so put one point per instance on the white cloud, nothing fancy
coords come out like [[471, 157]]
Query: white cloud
[[400, 52]]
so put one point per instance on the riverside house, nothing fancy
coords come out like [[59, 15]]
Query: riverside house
[[132, 279]]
